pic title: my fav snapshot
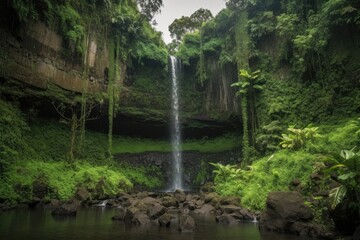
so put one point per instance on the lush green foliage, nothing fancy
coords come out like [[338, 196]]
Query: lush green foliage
[[268, 174], [190, 47], [71, 26], [118, 19], [38, 153], [276, 172], [297, 46], [268, 138], [347, 166], [13, 128], [61, 179], [298, 137], [247, 84], [179, 27]]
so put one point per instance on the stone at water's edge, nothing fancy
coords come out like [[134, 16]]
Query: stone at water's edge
[[140, 219], [119, 215], [230, 201], [156, 211], [186, 223], [284, 208], [227, 219], [65, 210], [165, 220], [286, 213]]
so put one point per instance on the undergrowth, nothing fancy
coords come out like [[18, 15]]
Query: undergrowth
[[275, 172], [266, 175], [61, 180]]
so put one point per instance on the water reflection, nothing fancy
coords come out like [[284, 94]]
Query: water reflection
[[96, 223]]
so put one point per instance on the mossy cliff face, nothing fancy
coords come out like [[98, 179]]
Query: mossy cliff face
[[37, 61], [34, 54]]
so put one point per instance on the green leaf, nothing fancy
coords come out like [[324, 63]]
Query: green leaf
[[347, 176], [336, 195]]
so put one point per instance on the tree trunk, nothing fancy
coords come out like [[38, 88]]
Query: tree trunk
[[245, 143], [74, 124]]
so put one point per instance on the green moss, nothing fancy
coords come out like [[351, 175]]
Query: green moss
[[208, 145], [133, 145], [205, 145]]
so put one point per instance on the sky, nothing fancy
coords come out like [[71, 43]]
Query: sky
[[173, 9]]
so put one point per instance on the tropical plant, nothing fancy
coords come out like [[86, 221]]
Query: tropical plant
[[225, 173], [267, 140], [347, 166], [297, 138]]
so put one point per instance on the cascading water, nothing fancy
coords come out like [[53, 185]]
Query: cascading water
[[177, 182]]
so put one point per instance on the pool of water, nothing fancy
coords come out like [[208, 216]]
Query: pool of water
[[96, 223]]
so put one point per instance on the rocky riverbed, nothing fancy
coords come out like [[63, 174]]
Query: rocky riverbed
[[285, 212]]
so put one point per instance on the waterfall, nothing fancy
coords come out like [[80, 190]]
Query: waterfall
[[177, 181]]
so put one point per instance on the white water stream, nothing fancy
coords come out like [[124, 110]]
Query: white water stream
[[177, 171]]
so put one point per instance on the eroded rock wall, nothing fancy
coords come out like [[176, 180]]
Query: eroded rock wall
[[35, 54]]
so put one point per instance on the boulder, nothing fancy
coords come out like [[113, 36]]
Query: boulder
[[169, 201], [34, 202], [65, 210], [165, 219], [155, 211], [53, 203], [190, 197], [230, 209], [199, 203], [119, 215], [230, 201], [238, 213], [346, 220], [146, 203], [82, 194], [142, 195], [186, 223], [190, 205], [246, 215], [130, 214], [310, 230], [180, 195], [243, 215], [206, 209], [227, 219], [282, 210], [212, 198], [140, 219], [207, 188]]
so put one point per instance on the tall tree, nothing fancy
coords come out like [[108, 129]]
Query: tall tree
[[246, 84], [180, 26], [150, 7]]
